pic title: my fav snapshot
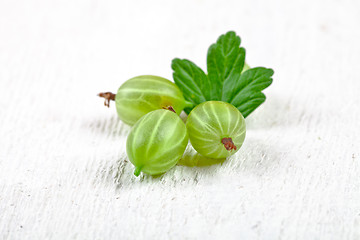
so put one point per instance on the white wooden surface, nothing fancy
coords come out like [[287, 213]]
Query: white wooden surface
[[63, 167]]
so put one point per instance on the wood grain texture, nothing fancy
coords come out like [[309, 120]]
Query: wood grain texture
[[64, 173]]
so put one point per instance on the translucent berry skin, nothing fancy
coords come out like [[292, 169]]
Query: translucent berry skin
[[140, 95], [156, 142], [211, 122]]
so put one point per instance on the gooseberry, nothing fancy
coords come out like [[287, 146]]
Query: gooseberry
[[156, 142], [216, 129], [140, 95]]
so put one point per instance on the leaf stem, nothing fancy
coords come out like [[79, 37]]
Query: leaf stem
[[246, 67], [189, 104]]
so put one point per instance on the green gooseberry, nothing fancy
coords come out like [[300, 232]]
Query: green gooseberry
[[156, 142], [142, 94], [216, 129]]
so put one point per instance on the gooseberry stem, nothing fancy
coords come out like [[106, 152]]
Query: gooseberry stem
[[228, 144], [137, 171], [108, 96], [170, 108]]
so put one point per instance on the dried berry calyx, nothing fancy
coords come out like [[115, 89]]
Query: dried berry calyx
[[108, 96], [228, 144]]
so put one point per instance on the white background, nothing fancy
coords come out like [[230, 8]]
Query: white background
[[64, 173]]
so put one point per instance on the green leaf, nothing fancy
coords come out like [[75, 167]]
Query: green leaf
[[229, 78], [191, 80], [248, 89], [225, 61]]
